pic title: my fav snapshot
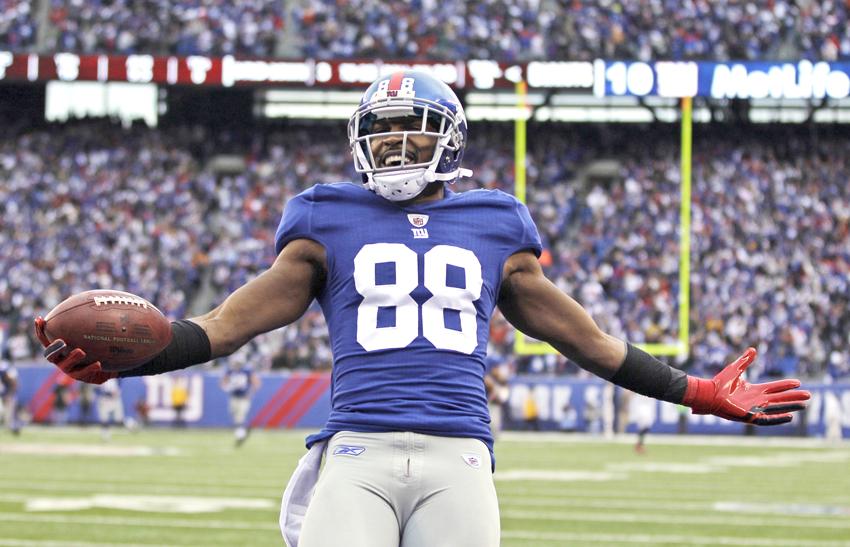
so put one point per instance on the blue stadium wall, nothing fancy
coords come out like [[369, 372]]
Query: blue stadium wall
[[302, 400]]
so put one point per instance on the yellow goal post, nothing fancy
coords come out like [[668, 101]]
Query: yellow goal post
[[528, 346]]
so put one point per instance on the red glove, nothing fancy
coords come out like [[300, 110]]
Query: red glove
[[71, 361], [730, 397]]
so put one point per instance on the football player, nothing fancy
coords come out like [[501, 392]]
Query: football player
[[110, 407], [408, 273], [240, 382], [9, 395]]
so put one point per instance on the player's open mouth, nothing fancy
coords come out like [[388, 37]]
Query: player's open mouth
[[393, 158]]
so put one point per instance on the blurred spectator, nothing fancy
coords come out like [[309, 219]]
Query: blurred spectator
[[142, 411], [85, 401], [179, 399], [62, 398], [110, 407], [240, 381], [507, 31], [9, 384], [569, 418], [91, 205], [498, 392], [159, 27], [530, 410], [17, 25], [575, 30]]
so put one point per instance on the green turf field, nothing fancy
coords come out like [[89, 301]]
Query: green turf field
[[65, 487]]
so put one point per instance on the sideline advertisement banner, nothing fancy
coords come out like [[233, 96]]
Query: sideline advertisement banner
[[302, 400]]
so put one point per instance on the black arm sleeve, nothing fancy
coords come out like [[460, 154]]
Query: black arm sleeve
[[644, 374], [189, 346]]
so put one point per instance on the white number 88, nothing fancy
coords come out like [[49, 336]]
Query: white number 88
[[397, 295]]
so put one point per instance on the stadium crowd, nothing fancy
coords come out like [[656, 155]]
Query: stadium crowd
[[18, 28], [159, 27], [143, 210], [770, 249], [426, 29], [576, 30]]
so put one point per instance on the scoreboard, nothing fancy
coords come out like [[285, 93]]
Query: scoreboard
[[602, 78]]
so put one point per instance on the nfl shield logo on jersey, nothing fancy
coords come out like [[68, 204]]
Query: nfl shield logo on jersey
[[418, 222]]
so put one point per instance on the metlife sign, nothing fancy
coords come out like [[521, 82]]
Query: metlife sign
[[744, 80], [802, 80]]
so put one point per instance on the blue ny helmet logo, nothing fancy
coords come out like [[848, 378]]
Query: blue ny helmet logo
[[347, 450]]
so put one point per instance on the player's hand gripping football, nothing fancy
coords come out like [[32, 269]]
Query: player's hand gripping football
[[729, 396], [71, 361]]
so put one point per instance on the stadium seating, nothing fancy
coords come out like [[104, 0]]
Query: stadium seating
[[501, 30], [144, 210]]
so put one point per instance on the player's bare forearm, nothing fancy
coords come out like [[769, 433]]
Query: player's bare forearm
[[535, 306], [276, 298], [538, 308]]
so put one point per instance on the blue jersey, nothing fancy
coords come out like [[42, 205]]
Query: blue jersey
[[8, 378], [408, 299], [238, 382]]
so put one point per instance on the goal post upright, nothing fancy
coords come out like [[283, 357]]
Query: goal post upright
[[525, 346], [520, 145], [685, 227]]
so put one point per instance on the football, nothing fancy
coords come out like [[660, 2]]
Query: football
[[119, 329]]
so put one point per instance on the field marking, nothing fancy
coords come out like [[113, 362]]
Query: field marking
[[643, 518], [81, 487], [152, 504], [646, 488], [52, 449], [132, 521], [656, 539], [19, 542], [116, 480], [556, 475], [782, 459], [688, 468], [791, 510], [786, 509], [576, 499], [619, 471], [732, 441]]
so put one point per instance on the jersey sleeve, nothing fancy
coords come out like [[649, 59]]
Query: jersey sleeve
[[530, 238], [297, 219]]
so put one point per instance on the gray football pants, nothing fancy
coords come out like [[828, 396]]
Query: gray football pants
[[403, 490]]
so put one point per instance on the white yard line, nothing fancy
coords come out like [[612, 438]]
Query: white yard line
[[144, 522], [16, 542], [660, 498], [150, 488], [757, 441], [780, 521], [659, 539], [87, 450]]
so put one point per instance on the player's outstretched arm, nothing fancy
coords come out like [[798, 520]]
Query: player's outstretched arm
[[277, 297], [534, 305], [538, 308]]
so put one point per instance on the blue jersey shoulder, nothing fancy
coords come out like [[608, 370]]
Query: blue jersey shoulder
[[299, 216], [496, 204]]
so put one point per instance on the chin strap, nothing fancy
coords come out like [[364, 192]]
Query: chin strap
[[431, 176], [389, 187]]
